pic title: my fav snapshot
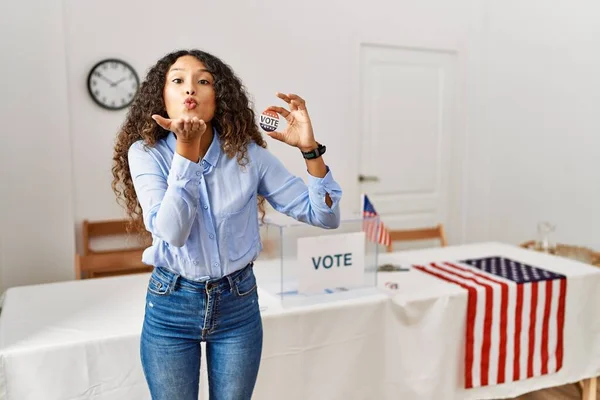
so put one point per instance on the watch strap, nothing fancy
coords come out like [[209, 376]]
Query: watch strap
[[315, 153]]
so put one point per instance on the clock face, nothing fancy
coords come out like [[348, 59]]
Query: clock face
[[113, 84]]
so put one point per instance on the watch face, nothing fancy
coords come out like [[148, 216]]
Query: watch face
[[113, 84]]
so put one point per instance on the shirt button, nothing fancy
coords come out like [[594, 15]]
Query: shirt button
[[195, 262], [198, 173], [205, 207], [203, 162], [211, 236], [216, 264]]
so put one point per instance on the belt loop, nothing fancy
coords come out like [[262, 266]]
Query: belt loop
[[174, 281], [230, 283]]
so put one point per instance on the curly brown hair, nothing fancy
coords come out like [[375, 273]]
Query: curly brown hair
[[234, 119]]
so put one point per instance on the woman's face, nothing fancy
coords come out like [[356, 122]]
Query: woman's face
[[189, 90]]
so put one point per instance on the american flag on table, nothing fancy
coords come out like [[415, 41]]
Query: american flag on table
[[375, 229], [515, 318]]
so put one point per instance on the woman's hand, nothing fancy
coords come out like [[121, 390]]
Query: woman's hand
[[188, 130], [299, 131]]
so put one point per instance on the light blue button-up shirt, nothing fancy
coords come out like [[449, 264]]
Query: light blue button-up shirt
[[203, 216]]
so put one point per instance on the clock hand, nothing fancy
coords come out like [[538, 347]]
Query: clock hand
[[105, 79], [117, 82]]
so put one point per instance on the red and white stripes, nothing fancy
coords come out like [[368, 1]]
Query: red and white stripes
[[514, 330]]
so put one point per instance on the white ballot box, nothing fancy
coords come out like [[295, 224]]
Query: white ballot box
[[304, 264]]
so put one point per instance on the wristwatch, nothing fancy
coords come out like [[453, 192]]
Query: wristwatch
[[316, 153]]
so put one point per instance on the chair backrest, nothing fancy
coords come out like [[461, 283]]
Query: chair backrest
[[103, 229], [436, 232], [110, 264], [112, 261]]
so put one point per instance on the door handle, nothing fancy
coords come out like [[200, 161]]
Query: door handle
[[364, 178]]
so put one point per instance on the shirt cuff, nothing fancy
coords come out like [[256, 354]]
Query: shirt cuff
[[322, 186], [184, 171]]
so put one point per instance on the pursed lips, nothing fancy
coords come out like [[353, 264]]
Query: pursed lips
[[190, 103]]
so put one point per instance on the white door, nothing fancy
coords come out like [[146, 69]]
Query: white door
[[408, 107]]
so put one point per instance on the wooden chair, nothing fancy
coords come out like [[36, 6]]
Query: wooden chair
[[436, 232], [100, 263]]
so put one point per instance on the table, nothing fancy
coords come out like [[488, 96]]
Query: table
[[428, 319], [80, 339]]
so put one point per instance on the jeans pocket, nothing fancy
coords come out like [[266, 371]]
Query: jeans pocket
[[246, 286], [158, 285]]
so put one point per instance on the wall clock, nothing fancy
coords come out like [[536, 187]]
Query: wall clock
[[113, 84]]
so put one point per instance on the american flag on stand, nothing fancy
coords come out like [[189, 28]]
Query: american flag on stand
[[375, 229], [515, 318]]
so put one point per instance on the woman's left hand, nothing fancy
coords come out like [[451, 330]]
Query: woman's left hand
[[299, 131]]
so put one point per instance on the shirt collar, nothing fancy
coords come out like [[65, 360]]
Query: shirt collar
[[212, 154]]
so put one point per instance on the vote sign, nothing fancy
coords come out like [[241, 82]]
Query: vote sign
[[331, 261]]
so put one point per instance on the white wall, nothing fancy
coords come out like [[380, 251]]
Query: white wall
[[540, 119], [529, 75], [271, 47], [36, 238]]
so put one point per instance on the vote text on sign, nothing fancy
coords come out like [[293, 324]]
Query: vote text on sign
[[331, 261]]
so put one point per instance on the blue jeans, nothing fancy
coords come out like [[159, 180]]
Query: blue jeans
[[181, 313]]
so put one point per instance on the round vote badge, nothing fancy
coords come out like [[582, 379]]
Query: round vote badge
[[269, 120]]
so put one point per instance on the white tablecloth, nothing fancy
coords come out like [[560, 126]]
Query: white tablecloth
[[425, 357], [80, 340]]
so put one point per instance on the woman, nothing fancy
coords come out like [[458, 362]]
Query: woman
[[191, 168]]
